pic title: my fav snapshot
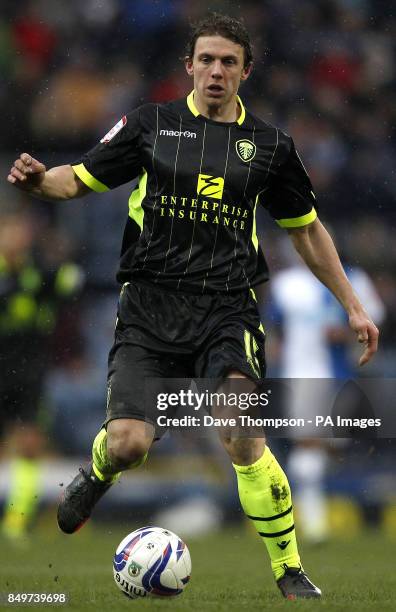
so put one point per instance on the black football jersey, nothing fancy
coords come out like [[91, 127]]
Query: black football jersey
[[191, 224]]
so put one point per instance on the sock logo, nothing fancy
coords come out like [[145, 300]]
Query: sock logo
[[284, 544]]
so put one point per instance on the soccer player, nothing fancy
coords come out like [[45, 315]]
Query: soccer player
[[190, 259]]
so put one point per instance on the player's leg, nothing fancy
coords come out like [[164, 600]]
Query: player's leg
[[235, 347], [145, 348], [307, 465], [21, 399], [123, 445], [123, 441], [120, 446], [265, 497], [22, 498], [308, 458]]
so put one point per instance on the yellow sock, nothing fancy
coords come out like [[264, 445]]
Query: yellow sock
[[265, 497], [101, 463], [22, 501]]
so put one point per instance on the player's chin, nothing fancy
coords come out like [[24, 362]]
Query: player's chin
[[216, 102]]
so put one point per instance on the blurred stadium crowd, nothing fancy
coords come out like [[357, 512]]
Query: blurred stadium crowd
[[324, 72]]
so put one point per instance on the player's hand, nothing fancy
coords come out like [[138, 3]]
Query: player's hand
[[27, 172], [367, 334]]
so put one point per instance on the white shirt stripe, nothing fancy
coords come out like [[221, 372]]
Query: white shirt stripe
[[236, 237], [217, 228], [174, 193], [156, 192], [195, 219]]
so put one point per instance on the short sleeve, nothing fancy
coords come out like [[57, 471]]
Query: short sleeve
[[289, 197], [116, 159]]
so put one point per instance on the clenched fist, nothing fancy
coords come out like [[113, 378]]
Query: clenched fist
[[27, 172]]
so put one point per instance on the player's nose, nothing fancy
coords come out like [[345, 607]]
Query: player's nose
[[217, 71]]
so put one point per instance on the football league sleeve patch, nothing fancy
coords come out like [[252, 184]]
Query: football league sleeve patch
[[116, 159]]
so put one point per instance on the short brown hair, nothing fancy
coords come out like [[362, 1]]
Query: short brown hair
[[221, 25]]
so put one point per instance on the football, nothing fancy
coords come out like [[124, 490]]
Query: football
[[152, 561]]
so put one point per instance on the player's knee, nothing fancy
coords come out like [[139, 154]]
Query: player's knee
[[243, 451], [125, 450], [127, 445]]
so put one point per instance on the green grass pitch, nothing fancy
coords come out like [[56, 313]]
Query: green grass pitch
[[230, 572]]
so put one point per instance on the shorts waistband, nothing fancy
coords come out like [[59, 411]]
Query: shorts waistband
[[176, 292]]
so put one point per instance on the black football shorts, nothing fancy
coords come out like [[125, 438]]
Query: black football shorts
[[164, 335]]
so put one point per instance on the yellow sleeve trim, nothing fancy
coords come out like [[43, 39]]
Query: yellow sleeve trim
[[88, 179], [298, 221]]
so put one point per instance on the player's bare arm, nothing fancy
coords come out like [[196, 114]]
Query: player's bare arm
[[317, 249], [58, 183]]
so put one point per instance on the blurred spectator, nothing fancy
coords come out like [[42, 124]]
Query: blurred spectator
[[315, 342], [32, 287]]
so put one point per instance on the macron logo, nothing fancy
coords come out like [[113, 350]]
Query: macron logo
[[186, 133]]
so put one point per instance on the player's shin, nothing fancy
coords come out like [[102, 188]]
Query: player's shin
[[101, 462], [265, 497]]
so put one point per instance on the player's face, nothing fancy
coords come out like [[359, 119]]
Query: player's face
[[217, 68]]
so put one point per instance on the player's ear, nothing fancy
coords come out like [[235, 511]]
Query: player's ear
[[246, 72], [188, 62]]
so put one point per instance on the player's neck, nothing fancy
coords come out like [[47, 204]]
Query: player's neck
[[227, 113]]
